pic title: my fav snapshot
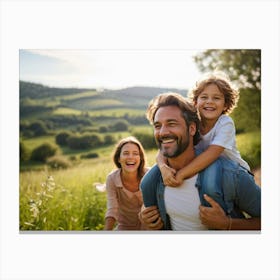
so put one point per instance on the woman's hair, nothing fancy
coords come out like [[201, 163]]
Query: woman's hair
[[117, 153], [223, 83], [174, 99]]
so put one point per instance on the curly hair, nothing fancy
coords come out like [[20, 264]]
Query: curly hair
[[223, 83]]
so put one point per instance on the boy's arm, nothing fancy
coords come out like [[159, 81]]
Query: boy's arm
[[167, 173], [200, 162]]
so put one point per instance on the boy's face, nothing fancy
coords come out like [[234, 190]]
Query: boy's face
[[211, 103]]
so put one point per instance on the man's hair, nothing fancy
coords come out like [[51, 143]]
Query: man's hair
[[222, 81], [174, 99], [118, 149]]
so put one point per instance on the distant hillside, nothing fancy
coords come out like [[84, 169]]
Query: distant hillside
[[38, 91], [42, 102]]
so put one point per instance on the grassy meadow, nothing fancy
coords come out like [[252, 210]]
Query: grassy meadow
[[66, 199]]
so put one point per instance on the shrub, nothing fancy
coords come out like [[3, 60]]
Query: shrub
[[146, 139], [38, 128], [62, 137], [58, 162], [121, 125], [24, 153], [90, 155], [84, 141], [43, 152], [103, 129], [73, 157], [109, 139]]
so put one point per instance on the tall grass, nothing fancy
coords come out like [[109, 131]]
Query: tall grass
[[63, 199], [68, 200]]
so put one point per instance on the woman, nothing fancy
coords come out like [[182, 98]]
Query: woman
[[124, 198]]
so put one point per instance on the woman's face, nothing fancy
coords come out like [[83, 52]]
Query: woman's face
[[129, 157]]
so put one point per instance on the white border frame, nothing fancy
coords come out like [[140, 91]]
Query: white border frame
[[139, 25]]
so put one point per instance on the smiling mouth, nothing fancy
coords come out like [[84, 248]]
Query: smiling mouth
[[130, 163], [167, 140], [209, 109]]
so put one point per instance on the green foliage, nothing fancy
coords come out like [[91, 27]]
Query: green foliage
[[43, 152], [24, 153], [242, 66], [37, 128], [84, 141], [103, 129], [249, 146], [121, 125], [247, 116], [146, 139], [62, 138], [63, 200], [244, 69], [90, 155]]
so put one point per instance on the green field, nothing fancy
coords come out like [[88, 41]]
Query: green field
[[69, 199], [66, 199]]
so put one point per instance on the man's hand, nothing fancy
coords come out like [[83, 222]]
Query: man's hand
[[150, 218], [213, 217]]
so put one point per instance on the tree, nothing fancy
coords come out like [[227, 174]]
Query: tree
[[24, 153], [62, 138], [242, 66], [244, 69], [121, 125], [43, 152], [39, 128]]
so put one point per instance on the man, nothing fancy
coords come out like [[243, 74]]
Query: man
[[190, 206]]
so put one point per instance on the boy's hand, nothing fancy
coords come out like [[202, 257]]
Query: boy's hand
[[179, 177], [168, 176]]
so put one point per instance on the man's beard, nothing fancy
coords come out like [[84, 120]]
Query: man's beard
[[176, 151]]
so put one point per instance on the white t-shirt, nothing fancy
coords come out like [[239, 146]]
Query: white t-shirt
[[182, 206], [223, 134]]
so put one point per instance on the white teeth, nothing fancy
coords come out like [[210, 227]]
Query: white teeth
[[167, 141]]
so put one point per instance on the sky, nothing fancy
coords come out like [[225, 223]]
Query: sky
[[110, 69]]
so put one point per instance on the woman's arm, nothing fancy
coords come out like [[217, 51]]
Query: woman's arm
[[109, 223], [112, 203]]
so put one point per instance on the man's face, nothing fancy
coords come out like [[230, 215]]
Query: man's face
[[170, 131]]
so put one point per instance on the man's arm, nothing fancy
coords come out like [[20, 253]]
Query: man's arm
[[215, 218], [150, 218]]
